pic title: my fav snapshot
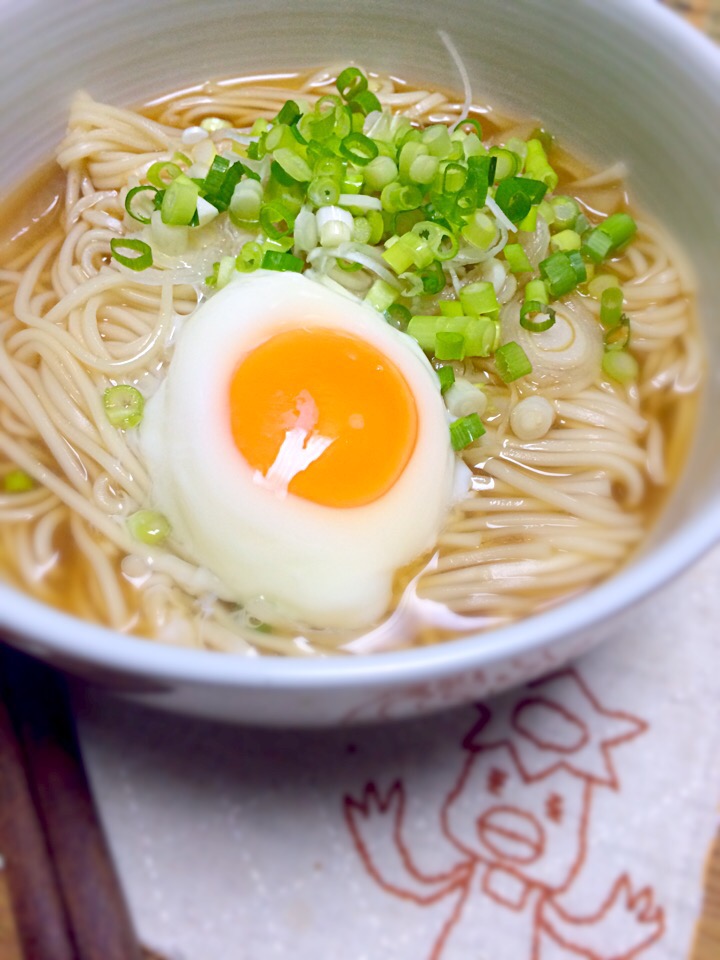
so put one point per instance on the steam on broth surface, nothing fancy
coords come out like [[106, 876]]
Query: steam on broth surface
[[576, 455]]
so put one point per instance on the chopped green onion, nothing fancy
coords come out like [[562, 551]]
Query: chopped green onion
[[433, 278], [277, 260], [289, 113], [516, 258], [481, 174], [451, 308], [480, 333], [216, 174], [17, 481], [470, 122], [566, 241], [293, 164], [602, 282], [246, 202], [507, 162], [276, 220], [479, 298], [377, 226], [621, 366], [398, 316], [396, 197], [465, 431], [620, 227], [536, 308], [529, 224], [250, 257], [480, 230], [411, 151], [437, 139], [466, 200], [149, 527], [142, 261], [611, 304], [559, 274], [449, 346], [380, 172], [225, 268], [446, 376], [512, 362], [618, 337], [351, 82], [454, 176], [124, 406], [536, 290], [129, 198], [381, 295], [537, 165], [365, 102], [441, 241], [322, 191], [361, 230], [565, 212], [359, 148], [582, 225], [578, 264], [160, 168], [222, 197], [597, 245], [516, 195], [406, 251], [180, 202], [609, 236], [212, 124]]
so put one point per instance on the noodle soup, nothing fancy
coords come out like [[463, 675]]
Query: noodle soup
[[562, 451]]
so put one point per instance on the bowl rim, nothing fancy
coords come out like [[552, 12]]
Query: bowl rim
[[31, 623]]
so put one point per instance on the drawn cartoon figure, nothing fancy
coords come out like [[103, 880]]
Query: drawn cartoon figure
[[518, 821]]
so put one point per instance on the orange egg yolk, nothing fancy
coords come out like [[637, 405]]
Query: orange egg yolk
[[324, 415]]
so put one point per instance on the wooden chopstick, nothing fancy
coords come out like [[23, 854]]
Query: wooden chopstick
[[65, 890], [37, 906]]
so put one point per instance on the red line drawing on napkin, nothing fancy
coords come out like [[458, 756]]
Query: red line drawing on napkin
[[519, 817]]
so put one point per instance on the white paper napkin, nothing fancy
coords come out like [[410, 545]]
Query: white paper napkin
[[567, 819]]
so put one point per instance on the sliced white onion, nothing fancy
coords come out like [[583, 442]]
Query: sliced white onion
[[362, 253], [536, 244], [566, 358], [172, 240], [494, 271], [499, 215]]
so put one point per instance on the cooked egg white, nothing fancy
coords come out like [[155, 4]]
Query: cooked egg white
[[299, 447]]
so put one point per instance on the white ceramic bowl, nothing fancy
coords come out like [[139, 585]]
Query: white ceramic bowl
[[613, 78]]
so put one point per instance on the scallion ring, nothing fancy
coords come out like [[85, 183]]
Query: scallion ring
[[351, 82], [142, 261], [276, 220], [131, 194], [156, 171], [537, 308], [359, 148], [149, 527], [124, 406]]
